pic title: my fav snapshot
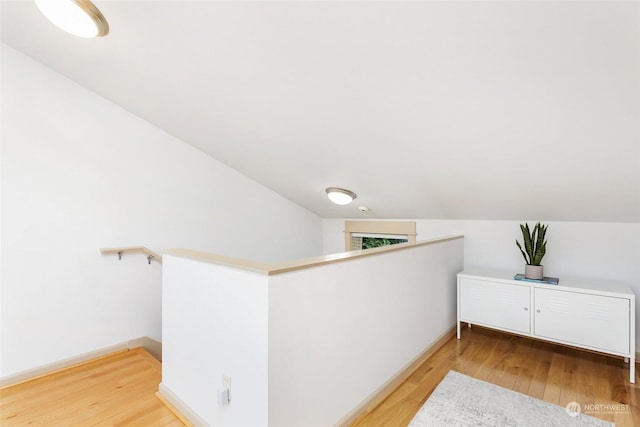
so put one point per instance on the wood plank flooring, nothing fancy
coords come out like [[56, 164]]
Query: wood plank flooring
[[119, 390], [553, 373], [116, 390]]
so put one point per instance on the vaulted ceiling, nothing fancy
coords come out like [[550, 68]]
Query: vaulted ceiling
[[479, 110]]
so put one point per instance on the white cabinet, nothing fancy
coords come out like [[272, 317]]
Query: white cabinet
[[580, 319], [479, 298], [598, 316]]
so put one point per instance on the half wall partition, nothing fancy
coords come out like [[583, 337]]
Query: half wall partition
[[305, 343]]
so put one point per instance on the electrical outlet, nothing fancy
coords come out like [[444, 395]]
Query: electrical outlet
[[223, 397], [226, 384]]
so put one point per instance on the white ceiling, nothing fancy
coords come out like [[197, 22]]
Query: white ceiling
[[481, 110]]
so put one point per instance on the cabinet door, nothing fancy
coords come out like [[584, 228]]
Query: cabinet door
[[595, 321], [500, 305]]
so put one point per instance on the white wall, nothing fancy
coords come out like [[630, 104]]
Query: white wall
[[577, 249], [303, 348], [80, 173], [214, 324], [338, 332]]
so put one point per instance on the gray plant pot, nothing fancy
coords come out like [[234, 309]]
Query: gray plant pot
[[533, 272]]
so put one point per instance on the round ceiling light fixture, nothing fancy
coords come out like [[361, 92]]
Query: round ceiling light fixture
[[340, 196], [78, 17]]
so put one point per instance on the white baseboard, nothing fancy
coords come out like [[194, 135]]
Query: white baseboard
[[382, 392], [152, 346], [184, 409]]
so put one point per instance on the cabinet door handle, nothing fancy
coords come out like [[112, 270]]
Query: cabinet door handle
[[526, 309], [538, 311]]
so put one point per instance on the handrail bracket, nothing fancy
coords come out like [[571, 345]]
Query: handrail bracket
[[150, 255]]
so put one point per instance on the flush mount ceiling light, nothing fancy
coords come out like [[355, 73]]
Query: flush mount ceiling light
[[340, 196], [78, 17]]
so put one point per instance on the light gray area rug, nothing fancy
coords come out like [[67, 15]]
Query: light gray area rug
[[460, 400]]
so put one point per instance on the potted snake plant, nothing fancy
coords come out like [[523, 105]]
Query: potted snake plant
[[535, 246]]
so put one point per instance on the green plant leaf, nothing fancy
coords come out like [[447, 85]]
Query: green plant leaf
[[540, 254], [526, 237], [535, 245], [542, 230], [522, 252]]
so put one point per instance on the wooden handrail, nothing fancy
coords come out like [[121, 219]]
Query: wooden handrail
[[151, 255], [285, 267]]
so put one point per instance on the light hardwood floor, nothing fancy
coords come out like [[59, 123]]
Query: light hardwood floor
[[116, 390], [119, 390], [553, 373]]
